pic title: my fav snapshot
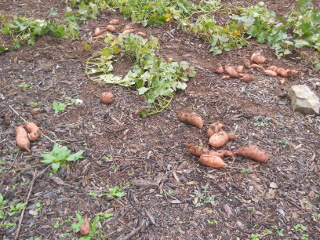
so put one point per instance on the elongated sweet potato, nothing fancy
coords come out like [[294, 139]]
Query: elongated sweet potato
[[272, 68], [254, 152], [212, 161], [258, 58], [247, 78], [219, 69], [286, 72], [231, 71], [22, 138], [85, 227], [34, 131], [198, 151], [270, 73], [214, 128], [255, 66], [191, 118]]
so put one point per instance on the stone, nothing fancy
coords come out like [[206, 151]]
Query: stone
[[304, 100]]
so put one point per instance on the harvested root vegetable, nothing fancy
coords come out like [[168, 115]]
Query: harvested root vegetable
[[270, 73], [225, 153], [221, 138], [239, 69], [96, 32], [107, 97], [114, 22], [247, 78], [129, 31], [198, 151], [286, 72], [253, 152], [100, 37], [218, 139], [22, 138], [212, 161], [258, 58], [141, 34], [255, 66], [214, 128], [34, 131], [191, 118], [246, 63], [225, 77], [127, 27], [85, 227], [219, 69], [111, 28], [231, 71], [272, 68]]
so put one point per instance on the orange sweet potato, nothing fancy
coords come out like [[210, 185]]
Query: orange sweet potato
[[85, 227], [218, 139], [34, 131], [219, 69], [212, 161], [191, 118], [224, 153], [286, 72], [111, 28], [255, 66], [114, 22], [239, 69], [214, 128], [198, 151], [246, 63], [258, 58], [225, 77], [129, 31], [270, 73], [272, 68], [141, 34], [22, 138], [247, 78], [254, 152], [231, 71]]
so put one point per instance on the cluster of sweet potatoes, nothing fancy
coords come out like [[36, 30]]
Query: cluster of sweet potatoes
[[25, 134], [257, 58], [103, 32], [217, 139]]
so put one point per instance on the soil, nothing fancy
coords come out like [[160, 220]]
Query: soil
[[147, 157]]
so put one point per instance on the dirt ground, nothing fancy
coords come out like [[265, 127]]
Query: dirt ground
[[147, 157]]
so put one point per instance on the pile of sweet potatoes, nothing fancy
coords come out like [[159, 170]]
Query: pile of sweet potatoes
[[25, 134], [217, 139], [258, 59]]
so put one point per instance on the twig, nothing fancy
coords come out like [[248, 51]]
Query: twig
[[22, 213], [35, 175], [134, 231]]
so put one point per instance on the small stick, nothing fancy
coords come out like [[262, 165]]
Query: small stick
[[22, 213], [133, 232]]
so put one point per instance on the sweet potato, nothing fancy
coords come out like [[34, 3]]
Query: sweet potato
[[191, 118], [114, 22], [198, 151], [219, 69], [100, 37], [247, 78], [107, 97], [22, 138], [240, 69], [255, 66], [129, 31], [270, 73], [34, 131], [85, 227], [214, 128], [254, 152], [231, 71], [141, 34], [111, 28], [287, 72], [224, 153], [258, 58], [272, 68], [96, 32], [232, 136], [225, 77], [212, 161], [218, 139]]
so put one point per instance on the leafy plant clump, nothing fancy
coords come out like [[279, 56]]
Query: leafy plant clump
[[60, 157], [154, 78]]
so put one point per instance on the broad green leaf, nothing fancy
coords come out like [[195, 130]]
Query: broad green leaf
[[55, 166]]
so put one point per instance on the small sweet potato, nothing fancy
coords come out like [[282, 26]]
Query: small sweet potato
[[255, 66], [141, 34], [218, 139], [225, 77], [114, 22], [100, 37], [34, 131], [85, 227], [272, 68], [240, 69], [191, 118], [212, 161], [129, 31], [287, 72], [214, 128], [254, 152], [224, 153], [258, 58], [270, 73], [219, 69], [246, 63], [247, 78], [107, 97], [96, 32], [111, 28], [231, 71], [198, 151], [22, 138]]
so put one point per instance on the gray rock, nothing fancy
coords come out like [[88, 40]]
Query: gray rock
[[303, 99]]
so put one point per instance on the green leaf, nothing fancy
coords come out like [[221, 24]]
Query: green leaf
[[55, 166], [75, 156]]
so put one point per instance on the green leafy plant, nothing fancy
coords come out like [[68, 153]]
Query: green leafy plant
[[2, 205], [60, 157], [261, 121], [283, 142], [300, 228], [204, 198], [154, 78], [254, 236], [116, 192], [59, 107]]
